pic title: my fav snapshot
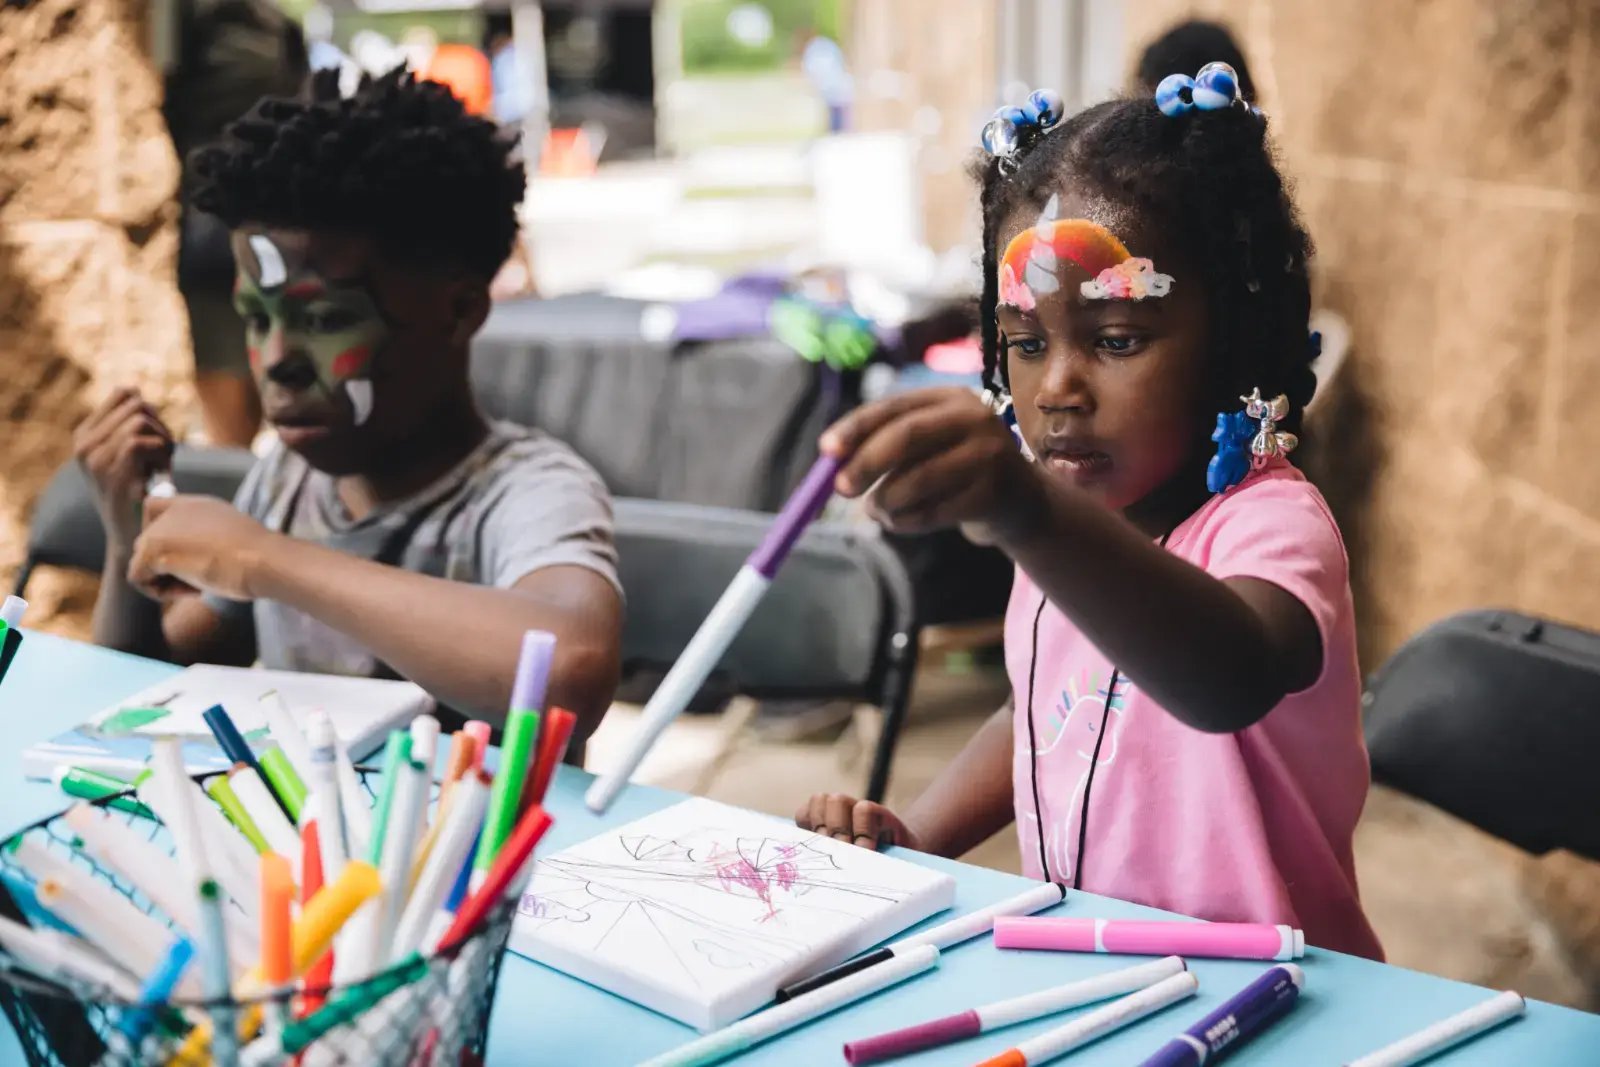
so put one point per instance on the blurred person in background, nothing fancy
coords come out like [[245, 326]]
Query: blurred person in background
[[460, 67], [505, 69], [230, 54], [826, 67]]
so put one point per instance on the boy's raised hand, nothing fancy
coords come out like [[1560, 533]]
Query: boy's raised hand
[[120, 444], [861, 822], [934, 458]]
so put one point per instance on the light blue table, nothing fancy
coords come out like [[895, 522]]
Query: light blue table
[[1350, 1006]]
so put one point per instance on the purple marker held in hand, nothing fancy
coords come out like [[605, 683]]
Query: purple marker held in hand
[[727, 618], [1242, 1016]]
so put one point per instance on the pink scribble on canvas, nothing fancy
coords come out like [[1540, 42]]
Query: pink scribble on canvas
[[736, 872]]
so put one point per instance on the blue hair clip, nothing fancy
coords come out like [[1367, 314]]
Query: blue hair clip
[[1004, 134], [1216, 87], [1232, 461]]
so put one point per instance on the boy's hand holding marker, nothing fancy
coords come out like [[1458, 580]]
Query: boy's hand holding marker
[[119, 446]]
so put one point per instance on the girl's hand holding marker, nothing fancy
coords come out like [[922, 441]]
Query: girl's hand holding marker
[[935, 458]]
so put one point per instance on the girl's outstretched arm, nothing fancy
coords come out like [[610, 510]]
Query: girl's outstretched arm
[[967, 804], [1218, 654]]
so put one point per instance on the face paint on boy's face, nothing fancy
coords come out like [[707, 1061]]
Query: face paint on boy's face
[[311, 338]]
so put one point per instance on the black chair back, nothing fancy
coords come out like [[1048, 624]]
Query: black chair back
[[1495, 718], [839, 621]]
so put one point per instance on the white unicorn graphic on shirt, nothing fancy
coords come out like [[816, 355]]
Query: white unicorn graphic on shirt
[[1076, 722]]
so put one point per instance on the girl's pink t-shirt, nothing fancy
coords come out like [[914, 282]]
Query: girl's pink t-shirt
[[1254, 826]]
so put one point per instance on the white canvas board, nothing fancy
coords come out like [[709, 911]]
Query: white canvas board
[[701, 911]]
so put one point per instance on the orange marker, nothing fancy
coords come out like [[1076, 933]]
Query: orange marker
[[457, 763], [558, 724], [277, 919], [321, 972], [480, 732]]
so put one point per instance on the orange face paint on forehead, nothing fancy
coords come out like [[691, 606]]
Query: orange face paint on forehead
[[1033, 260]]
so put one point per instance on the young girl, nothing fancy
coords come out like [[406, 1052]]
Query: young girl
[[1180, 640]]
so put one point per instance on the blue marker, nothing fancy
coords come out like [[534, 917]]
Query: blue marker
[[1241, 1017], [229, 739], [452, 903], [136, 1022]]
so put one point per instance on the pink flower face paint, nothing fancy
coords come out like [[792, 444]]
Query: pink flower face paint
[[1036, 260], [293, 314]]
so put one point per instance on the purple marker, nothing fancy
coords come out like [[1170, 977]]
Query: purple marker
[[727, 618], [975, 1021], [1241, 1017], [533, 671]]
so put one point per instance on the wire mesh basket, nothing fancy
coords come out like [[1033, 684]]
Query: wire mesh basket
[[421, 1011]]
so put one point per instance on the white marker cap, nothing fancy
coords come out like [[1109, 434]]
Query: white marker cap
[[319, 729], [11, 611], [1293, 943]]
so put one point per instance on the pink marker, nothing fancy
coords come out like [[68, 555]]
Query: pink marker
[[1238, 941], [479, 731], [977, 1021]]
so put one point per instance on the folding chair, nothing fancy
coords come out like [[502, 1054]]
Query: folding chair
[[66, 530], [839, 622], [1495, 718]]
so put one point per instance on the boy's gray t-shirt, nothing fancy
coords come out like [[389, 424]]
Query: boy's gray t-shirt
[[522, 501]]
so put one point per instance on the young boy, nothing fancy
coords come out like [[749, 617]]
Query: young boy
[[391, 530]]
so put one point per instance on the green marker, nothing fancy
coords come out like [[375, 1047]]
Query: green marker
[[85, 784], [125, 721], [298, 1035], [396, 753], [505, 795], [221, 790], [284, 781]]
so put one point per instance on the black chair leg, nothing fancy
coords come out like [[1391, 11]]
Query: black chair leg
[[896, 702]]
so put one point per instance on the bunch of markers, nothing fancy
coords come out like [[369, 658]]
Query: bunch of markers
[[1124, 996], [294, 917]]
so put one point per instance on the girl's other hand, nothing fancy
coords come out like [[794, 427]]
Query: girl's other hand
[[935, 458], [860, 822]]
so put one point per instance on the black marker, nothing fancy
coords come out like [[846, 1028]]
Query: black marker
[[942, 936]]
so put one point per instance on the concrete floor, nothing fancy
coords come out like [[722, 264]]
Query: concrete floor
[[1445, 898]]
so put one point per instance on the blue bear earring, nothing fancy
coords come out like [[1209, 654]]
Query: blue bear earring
[[1248, 439], [1232, 461]]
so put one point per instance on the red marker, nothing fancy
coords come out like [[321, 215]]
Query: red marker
[[557, 732], [321, 972], [508, 863]]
